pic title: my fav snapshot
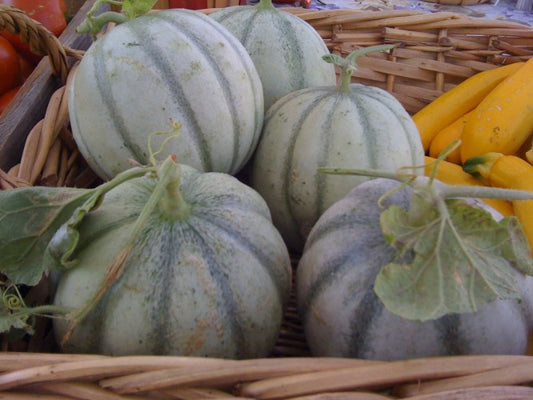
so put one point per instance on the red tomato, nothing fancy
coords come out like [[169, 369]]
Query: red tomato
[[190, 4], [21, 47], [9, 66], [50, 13], [26, 67], [6, 98]]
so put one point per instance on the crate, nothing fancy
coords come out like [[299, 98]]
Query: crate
[[434, 53]]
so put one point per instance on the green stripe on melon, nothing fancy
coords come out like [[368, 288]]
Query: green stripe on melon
[[342, 315], [286, 50], [213, 282], [174, 65], [323, 127]]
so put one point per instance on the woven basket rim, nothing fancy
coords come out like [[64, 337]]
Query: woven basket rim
[[274, 378]]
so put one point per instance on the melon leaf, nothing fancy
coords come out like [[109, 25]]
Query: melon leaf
[[136, 8], [10, 320], [61, 247], [28, 219], [462, 258]]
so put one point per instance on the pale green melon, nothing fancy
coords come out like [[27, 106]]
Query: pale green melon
[[286, 50], [364, 127], [174, 65], [343, 316], [212, 282]]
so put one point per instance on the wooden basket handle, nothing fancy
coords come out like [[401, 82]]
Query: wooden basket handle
[[40, 39]]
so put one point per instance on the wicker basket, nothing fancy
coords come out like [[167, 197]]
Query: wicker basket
[[434, 52], [458, 2]]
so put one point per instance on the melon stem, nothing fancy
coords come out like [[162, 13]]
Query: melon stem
[[265, 5], [347, 66], [172, 205]]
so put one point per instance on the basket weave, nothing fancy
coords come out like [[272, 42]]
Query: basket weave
[[434, 52], [458, 2], [50, 156]]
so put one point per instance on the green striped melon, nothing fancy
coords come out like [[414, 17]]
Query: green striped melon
[[342, 315], [285, 49], [211, 280], [364, 127], [172, 65]]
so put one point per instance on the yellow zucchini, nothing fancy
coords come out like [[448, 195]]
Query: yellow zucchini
[[453, 174], [528, 154], [508, 172], [446, 136], [503, 121], [458, 101]]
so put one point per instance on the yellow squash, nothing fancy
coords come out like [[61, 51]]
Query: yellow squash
[[503, 121], [458, 101], [509, 172], [453, 174], [528, 154], [446, 136]]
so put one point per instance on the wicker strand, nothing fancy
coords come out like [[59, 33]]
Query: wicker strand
[[487, 377], [372, 376], [502, 376], [49, 142], [40, 39]]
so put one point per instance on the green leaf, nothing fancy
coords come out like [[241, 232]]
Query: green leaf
[[135, 8], [333, 59], [462, 259], [10, 320], [63, 243], [29, 217], [517, 249]]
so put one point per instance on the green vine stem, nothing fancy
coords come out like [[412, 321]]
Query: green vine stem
[[16, 309], [167, 197], [93, 25], [172, 205], [445, 190], [434, 192], [64, 242], [348, 65], [129, 9]]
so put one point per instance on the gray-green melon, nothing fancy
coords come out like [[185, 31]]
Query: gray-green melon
[[285, 49], [171, 66], [211, 280], [342, 315], [363, 127]]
